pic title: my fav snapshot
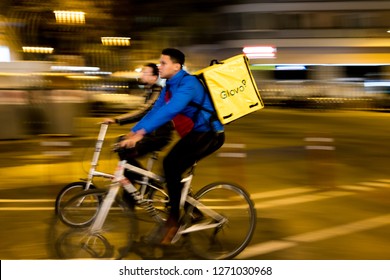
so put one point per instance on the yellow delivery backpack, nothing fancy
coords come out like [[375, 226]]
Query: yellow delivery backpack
[[232, 88]]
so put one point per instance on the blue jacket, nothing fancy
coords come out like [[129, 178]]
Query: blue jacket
[[184, 89]]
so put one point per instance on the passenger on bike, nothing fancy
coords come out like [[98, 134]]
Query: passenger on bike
[[200, 134], [154, 140]]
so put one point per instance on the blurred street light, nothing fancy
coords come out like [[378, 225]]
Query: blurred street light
[[70, 17], [37, 50], [116, 41]]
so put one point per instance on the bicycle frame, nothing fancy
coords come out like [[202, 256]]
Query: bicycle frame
[[218, 219], [116, 185], [95, 160]]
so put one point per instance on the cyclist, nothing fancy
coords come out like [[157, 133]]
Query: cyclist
[[200, 134], [153, 141]]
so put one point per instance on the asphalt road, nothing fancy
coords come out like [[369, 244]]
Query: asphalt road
[[320, 181]]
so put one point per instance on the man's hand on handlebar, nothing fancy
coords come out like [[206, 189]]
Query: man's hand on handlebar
[[109, 121], [132, 138]]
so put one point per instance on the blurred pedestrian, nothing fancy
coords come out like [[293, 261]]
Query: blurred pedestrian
[[154, 140]]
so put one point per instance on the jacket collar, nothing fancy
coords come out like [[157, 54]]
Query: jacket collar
[[177, 78]]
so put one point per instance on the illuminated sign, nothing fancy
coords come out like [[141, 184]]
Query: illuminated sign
[[260, 52], [37, 50]]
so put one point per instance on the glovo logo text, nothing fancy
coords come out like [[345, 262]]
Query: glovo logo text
[[233, 91]]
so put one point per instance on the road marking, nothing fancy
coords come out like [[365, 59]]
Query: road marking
[[232, 155], [318, 139], [282, 192], [265, 248], [234, 145], [300, 199], [26, 208], [345, 229], [26, 200], [312, 196], [384, 180], [383, 183], [238, 146], [317, 147], [314, 236], [376, 184], [355, 188]]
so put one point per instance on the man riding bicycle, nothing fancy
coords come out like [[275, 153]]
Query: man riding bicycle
[[200, 133]]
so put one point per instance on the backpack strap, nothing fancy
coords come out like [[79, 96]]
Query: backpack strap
[[213, 114]]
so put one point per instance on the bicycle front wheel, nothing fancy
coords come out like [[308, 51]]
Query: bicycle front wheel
[[230, 238], [113, 239], [68, 192], [81, 209], [80, 244]]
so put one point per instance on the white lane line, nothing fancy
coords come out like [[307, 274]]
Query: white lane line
[[354, 188], [238, 146], [26, 208], [345, 229], [232, 155], [256, 196], [384, 180], [265, 248], [234, 145], [26, 200], [318, 139], [313, 236], [260, 205], [317, 147], [281, 192], [375, 184], [299, 199]]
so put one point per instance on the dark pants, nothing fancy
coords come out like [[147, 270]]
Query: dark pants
[[151, 142], [187, 151]]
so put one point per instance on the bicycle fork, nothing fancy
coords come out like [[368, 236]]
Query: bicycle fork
[[97, 225]]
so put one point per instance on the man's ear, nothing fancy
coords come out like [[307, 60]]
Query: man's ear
[[177, 67]]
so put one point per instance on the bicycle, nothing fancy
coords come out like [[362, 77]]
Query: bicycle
[[207, 218], [71, 189]]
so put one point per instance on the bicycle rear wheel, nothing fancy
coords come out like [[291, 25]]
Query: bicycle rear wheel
[[68, 192], [114, 240], [230, 238]]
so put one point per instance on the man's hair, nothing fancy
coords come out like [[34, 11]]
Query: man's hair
[[175, 55], [154, 68]]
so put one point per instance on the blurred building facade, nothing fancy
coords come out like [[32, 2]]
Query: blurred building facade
[[301, 31], [121, 35], [304, 32]]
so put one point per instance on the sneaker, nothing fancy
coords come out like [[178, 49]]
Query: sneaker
[[170, 233]]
